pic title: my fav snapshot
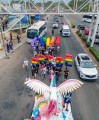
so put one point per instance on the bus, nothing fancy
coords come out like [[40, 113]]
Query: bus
[[88, 18], [39, 29]]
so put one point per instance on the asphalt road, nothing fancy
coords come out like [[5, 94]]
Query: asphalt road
[[78, 21], [16, 102]]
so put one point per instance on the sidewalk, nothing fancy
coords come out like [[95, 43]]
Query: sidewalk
[[15, 46]]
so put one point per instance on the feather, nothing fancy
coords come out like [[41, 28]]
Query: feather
[[69, 86], [37, 86]]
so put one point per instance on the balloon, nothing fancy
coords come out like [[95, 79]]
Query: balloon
[[44, 39], [48, 42], [41, 42], [52, 41], [33, 41], [58, 40]]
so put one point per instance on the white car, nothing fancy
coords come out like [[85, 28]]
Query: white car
[[86, 67], [55, 25]]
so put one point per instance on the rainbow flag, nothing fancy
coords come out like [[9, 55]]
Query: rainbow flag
[[68, 60], [41, 57], [59, 60], [34, 60]]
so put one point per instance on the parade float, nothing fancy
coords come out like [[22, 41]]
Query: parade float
[[48, 100]]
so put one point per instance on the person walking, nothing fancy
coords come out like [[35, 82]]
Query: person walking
[[10, 45], [66, 72], [3, 27], [54, 63], [57, 73], [18, 38], [52, 31], [7, 46], [11, 37], [37, 67], [44, 70]]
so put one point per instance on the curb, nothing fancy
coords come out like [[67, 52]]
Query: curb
[[15, 48]]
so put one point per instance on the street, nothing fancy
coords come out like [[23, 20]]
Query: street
[[78, 21], [16, 103]]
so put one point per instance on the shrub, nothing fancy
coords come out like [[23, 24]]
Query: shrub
[[73, 26], [87, 44], [78, 31], [94, 52], [83, 38], [80, 34]]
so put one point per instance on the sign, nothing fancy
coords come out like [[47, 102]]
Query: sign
[[37, 17]]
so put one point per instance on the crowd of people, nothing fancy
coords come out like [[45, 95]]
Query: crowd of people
[[45, 67]]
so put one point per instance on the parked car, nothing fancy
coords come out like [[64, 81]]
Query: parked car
[[81, 27], [55, 24], [86, 31], [96, 39], [86, 67]]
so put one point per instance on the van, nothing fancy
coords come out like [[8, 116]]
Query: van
[[65, 31]]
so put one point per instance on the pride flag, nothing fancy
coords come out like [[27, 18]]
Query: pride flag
[[59, 60], [34, 60], [41, 57], [49, 57], [68, 60]]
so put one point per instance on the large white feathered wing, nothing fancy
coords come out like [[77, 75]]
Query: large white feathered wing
[[37, 86], [69, 86]]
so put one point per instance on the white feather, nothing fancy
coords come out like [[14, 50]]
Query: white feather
[[69, 86], [38, 86]]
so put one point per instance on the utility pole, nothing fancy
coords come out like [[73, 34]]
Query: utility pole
[[58, 6], [74, 8], [95, 30], [42, 6], [2, 36], [93, 19], [3, 39]]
